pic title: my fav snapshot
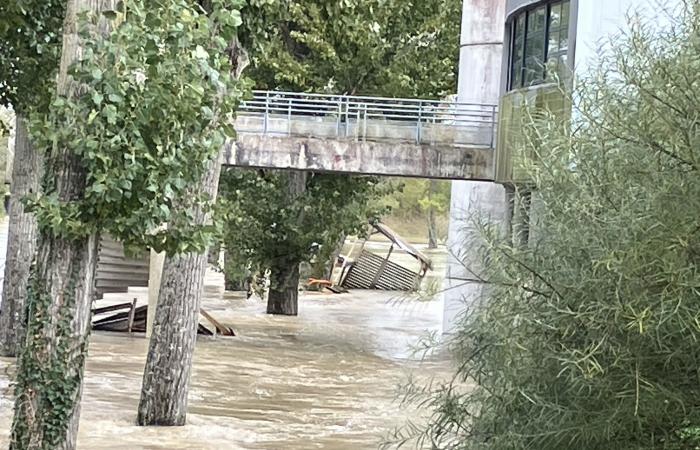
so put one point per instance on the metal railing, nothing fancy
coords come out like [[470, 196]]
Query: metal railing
[[368, 118]]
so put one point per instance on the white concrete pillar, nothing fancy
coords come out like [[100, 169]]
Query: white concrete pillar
[[155, 271], [481, 54]]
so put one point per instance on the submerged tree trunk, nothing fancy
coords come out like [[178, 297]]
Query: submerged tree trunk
[[61, 287], [21, 242], [166, 376], [283, 297]]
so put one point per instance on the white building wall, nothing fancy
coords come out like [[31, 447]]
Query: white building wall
[[481, 54], [600, 22]]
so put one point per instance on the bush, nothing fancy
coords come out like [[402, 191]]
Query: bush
[[589, 336]]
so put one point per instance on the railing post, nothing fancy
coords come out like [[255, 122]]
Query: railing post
[[289, 118], [267, 112], [347, 116], [364, 123], [340, 116], [419, 130]]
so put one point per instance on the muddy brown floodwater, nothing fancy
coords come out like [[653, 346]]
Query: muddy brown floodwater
[[326, 379]]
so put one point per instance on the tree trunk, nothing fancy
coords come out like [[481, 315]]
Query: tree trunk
[[432, 230], [283, 298], [166, 376], [21, 242], [61, 287], [432, 225], [214, 254]]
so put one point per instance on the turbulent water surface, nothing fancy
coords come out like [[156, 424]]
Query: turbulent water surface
[[326, 379]]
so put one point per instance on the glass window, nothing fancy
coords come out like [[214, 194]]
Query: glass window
[[517, 50], [539, 44]]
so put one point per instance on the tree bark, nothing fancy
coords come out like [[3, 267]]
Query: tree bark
[[166, 376], [283, 298], [214, 254], [61, 288], [21, 242], [432, 225]]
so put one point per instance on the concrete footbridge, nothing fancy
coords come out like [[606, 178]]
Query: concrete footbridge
[[365, 135]]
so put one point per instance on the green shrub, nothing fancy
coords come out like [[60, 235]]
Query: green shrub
[[589, 336]]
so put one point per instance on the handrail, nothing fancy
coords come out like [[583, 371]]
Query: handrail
[[366, 118]]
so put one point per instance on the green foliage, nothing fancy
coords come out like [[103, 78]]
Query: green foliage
[[291, 232], [159, 98], [588, 338], [48, 380], [30, 46], [7, 121], [390, 48], [416, 196], [402, 48]]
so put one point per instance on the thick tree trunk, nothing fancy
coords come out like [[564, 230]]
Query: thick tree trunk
[[60, 294], [50, 374], [166, 376], [21, 242], [283, 298]]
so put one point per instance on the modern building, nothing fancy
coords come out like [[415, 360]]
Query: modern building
[[519, 54]]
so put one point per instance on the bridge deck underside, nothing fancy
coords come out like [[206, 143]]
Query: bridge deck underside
[[405, 159]]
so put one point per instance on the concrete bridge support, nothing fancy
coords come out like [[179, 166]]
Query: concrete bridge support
[[481, 54]]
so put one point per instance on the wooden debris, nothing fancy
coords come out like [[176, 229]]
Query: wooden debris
[[132, 311], [337, 289], [133, 320], [220, 329]]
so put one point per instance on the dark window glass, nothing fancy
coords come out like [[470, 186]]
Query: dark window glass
[[539, 44], [517, 51]]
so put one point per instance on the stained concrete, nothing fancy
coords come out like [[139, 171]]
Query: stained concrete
[[356, 157], [479, 81]]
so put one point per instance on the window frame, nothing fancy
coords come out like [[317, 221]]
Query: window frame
[[517, 80]]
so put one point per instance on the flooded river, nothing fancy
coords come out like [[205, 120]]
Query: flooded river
[[326, 379]]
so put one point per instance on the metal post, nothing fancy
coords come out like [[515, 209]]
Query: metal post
[[267, 111], [419, 131], [364, 123], [340, 114], [289, 118], [347, 116]]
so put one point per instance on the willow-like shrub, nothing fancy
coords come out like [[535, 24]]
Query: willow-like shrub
[[588, 336]]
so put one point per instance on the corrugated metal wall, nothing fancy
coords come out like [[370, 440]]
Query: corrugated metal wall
[[392, 278], [115, 271]]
